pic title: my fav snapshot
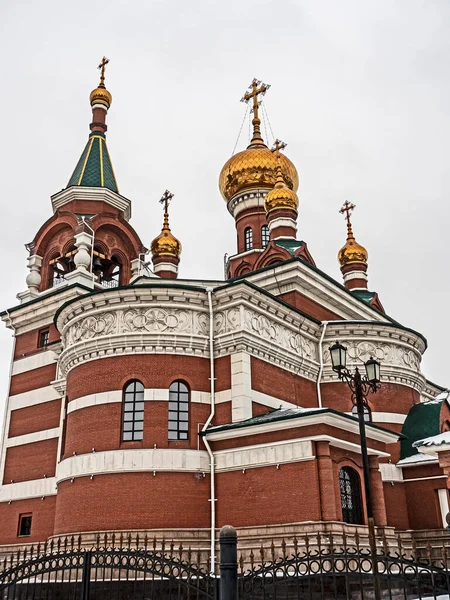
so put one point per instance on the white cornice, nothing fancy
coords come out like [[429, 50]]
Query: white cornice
[[247, 199], [318, 417], [98, 194], [297, 276]]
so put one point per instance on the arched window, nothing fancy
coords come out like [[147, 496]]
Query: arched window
[[133, 412], [178, 411], [264, 235], [248, 235], [60, 266], [107, 271], [351, 499]]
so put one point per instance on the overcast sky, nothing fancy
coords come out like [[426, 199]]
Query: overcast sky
[[360, 93]]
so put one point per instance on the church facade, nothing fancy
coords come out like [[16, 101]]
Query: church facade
[[140, 401]]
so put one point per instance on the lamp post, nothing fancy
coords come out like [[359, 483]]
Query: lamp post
[[361, 386]]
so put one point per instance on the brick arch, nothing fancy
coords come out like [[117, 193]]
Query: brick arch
[[271, 255], [52, 228], [122, 230], [242, 269]]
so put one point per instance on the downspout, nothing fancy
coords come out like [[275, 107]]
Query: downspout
[[212, 499], [319, 376], [5, 418]]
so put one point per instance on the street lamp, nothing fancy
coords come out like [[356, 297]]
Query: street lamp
[[361, 386]]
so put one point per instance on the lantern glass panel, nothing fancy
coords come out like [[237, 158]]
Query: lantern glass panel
[[373, 370], [338, 356]]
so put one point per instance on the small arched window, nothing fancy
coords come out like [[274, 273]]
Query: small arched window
[[351, 500], [133, 412], [248, 236], [264, 235], [107, 271], [178, 428]]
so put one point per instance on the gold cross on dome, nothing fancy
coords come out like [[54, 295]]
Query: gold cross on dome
[[278, 145], [347, 208], [254, 92], [165, 199], [102, 66]]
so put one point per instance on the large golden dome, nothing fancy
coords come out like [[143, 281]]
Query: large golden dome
[[255, 167]]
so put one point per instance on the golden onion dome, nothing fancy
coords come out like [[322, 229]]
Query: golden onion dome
[[166, 244], [101, 96], [255, 167], [280, 197], [352, 252]]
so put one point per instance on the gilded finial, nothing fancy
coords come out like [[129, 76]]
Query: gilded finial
[[352, 252], [101, 95], [166, 244], [252, 94], [281, 197]]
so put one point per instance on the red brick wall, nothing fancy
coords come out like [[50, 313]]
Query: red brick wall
[[35, 418], [391, 397], [308, 306], [282, 384], [31, 461], [30, 380], [154, 370], [423, 503], [268, 495], [27, 343], [43, 515], [100, 427], [396, 508], [133, 501]]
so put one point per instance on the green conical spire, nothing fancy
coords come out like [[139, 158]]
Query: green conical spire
[[94, 169]]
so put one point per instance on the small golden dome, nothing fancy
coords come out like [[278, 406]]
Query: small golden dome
[[255, 167], [280, 196], [101, 96], [352, 252], [166, 244]]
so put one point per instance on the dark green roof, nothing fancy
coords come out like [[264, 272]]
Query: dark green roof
[[422, 421], [94, 169], [364, 295], [290, 245]]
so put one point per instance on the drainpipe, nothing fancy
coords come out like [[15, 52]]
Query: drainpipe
[[5, 418], [212, 499], [319, 376]]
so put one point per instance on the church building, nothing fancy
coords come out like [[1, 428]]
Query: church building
[[140, 401]]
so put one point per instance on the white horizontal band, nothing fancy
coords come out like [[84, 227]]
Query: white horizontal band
[[165, 267], [35, 488], [30, 438], [282, 222], [33, 397], [355, 275], [35, 361]]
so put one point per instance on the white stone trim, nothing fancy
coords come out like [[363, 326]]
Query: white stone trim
[[133, 461], [246, 199], [36, 488], [246, 253], [263, 455], [33, 397], [102, 106], [316, 417], [387, 417], [282, 222], [443, 505], [354, 275], [165, 267], [30, 438], [100, 194], [426, 478], [390, 472], [35, 361], [241, 387], [271, 401]]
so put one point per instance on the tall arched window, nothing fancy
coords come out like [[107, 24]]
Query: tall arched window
[[178, 411], [133, 412], [351, 499], [264, 235], [248, 236]]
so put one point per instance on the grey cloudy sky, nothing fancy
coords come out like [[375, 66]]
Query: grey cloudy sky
[[360, 92]]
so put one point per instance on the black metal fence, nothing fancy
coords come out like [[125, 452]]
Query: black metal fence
[[137, 568]]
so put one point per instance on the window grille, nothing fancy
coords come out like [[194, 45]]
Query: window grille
[[351, 499], [248, 234], [178, 411], [133, 412], [264, 235]]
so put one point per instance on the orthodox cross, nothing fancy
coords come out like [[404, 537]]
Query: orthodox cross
[[347, 208], [102, 66], [165, 199], [254, 93], [278, 145]]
